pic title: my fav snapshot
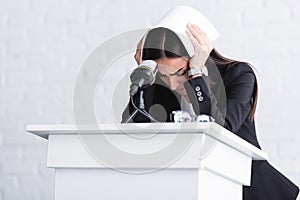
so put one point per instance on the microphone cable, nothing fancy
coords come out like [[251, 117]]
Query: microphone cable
[[137, 109]]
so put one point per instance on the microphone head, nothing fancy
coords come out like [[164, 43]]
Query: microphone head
[[149, 63], [142, 76]]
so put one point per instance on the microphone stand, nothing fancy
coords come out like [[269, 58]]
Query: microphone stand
[[140, 109]]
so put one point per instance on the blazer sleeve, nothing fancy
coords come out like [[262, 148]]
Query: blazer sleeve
[[238, 97]]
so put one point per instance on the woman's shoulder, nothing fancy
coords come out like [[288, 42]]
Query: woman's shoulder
[[239, 69], [240, 73]]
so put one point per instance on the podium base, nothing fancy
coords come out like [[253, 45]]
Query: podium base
[[175, 184]]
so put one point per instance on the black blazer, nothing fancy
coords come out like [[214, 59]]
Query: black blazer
[[207, 97]]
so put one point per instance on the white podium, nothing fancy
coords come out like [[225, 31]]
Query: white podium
[[186, 161]]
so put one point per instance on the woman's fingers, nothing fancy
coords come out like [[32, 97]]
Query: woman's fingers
[[192, 38], [196, 34], [201, 45], [200, 36], [203, 35], [207, 41], [137, 54], [197, 47]]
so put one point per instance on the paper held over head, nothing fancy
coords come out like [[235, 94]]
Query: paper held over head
[[177, 19]]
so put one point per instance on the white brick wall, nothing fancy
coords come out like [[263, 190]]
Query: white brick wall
[[43, 43]]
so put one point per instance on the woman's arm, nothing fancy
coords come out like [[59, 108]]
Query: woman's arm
[[238, 97], [239, 91]]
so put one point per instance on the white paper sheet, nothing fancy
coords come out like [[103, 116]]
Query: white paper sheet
[[177, 19]]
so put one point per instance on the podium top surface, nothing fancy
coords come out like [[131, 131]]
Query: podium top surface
[[209, 128]]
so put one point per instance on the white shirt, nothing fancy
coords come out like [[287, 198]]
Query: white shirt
[[186, 106]]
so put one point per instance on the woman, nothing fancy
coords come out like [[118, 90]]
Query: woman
[[182, 83]]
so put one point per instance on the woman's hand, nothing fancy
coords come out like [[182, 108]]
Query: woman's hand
[[137, 54], [202, 46]]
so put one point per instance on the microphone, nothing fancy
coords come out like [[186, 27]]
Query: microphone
[[142, 76]]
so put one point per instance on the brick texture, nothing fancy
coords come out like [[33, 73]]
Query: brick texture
[[43, 43]]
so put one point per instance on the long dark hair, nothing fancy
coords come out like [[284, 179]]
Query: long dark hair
[[162, 42], [221, 60]]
